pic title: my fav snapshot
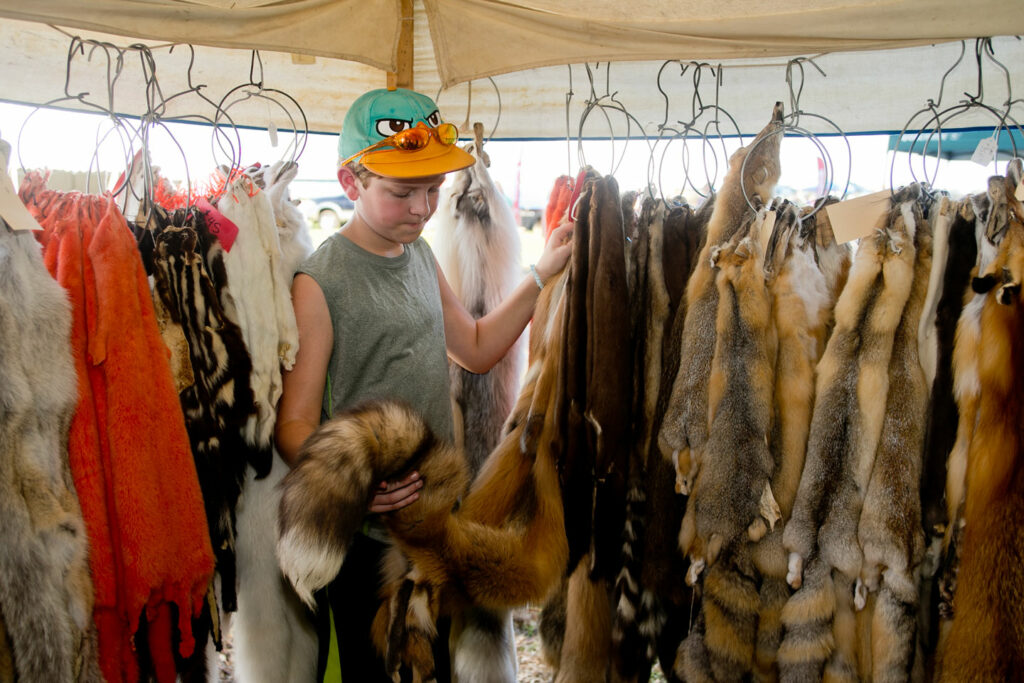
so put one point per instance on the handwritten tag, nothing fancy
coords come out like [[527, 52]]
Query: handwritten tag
[[272, 130], [1019, 194], [856, 218], [766, 230], [985, 152], [218, 224], [11, 209]]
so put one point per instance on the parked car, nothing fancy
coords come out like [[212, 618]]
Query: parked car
[[530, 217], [329, 213]]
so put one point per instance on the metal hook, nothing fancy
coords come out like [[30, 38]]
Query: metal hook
[[664, 95]]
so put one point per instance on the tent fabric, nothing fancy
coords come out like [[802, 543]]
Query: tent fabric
[[864, 91], [478, 38]]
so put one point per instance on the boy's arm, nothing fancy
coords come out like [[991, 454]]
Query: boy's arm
[[477, 344], [298, 412]]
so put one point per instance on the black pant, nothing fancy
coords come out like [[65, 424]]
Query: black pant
[[354, 597]]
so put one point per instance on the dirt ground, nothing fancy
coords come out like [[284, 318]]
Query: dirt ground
[[532, 668]]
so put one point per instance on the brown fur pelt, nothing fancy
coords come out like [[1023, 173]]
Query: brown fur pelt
[[986, 638], [685, 427], [504, 546], [890, 531], [586, 648]]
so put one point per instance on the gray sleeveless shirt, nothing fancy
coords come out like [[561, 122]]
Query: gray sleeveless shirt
[[388, 328]]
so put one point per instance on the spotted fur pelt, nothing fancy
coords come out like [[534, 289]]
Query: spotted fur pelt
[[46, 593]]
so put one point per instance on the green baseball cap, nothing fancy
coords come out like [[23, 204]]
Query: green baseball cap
[[379, 114]]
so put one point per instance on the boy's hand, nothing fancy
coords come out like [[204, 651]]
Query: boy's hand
[[556, 251], [393, 495]]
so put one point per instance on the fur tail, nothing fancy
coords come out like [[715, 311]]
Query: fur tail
[[326, 495], [483, 646], [807, 619]]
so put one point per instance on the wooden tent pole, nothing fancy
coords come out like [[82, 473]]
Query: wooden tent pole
[[403, 77]]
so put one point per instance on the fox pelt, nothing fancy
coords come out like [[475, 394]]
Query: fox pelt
[[476, 242], [505, 545], [845, 429], [890, 532], [986, 638], [685, 427]]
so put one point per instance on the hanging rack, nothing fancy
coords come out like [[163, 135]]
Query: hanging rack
[[703, 118], [936, 118], [607, 103], [255, 89], [791, 126], [465, 127]]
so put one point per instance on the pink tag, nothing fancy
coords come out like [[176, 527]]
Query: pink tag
[[218, 224]]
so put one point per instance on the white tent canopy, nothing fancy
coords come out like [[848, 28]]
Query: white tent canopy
[[879, 57]]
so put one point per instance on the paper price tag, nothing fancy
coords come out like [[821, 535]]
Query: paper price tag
[[1019, 194], [272, 130], [219, 225], [766, 230], [11, 209], [856, 218], [985, 152]]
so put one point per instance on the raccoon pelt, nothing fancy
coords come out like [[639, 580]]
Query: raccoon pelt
[[685, 427], [46, 591], [504, 546], [845, 428], [986, 638], [890, 532], [476, 242]]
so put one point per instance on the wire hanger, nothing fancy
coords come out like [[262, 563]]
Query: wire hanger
[[934, 118], [465, 127], [705, 124], [607, 104], [791, 126]]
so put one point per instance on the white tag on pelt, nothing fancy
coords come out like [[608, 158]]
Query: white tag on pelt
[[985, 152]]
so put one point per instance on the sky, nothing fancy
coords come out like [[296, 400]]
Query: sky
[[47, 138]]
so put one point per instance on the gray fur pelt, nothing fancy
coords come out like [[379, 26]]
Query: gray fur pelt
[[477, 245], [46, 593]]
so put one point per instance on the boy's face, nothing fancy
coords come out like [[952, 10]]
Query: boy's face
[[397, 209]]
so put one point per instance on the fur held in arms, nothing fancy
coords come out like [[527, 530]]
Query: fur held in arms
[[986, 640], [685, 427], [504, 546], [477, 247]]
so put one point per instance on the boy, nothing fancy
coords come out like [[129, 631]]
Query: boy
[[377, 319]]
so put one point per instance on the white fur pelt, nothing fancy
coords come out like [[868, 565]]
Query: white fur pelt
[[483, 645], [262, 298], [477, 245], [46, 594], [275, 640]]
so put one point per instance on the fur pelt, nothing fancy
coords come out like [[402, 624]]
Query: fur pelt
[[585, 654], [685, 427], [986, 641], [261, 293], [890, 532], [46, 592], [504, 546], [940, 216], [273, 636], [483, 646], [476, 242], [845, 428]]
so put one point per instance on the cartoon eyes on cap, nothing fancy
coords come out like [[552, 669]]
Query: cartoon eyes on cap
[[434, 119], [388, 127]]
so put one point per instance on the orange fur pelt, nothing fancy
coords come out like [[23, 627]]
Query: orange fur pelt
[[986, 639], [504, 546]]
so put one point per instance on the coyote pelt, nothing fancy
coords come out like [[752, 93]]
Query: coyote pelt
[[890, 531], [477, 246], [986, 639], [685, 427]]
